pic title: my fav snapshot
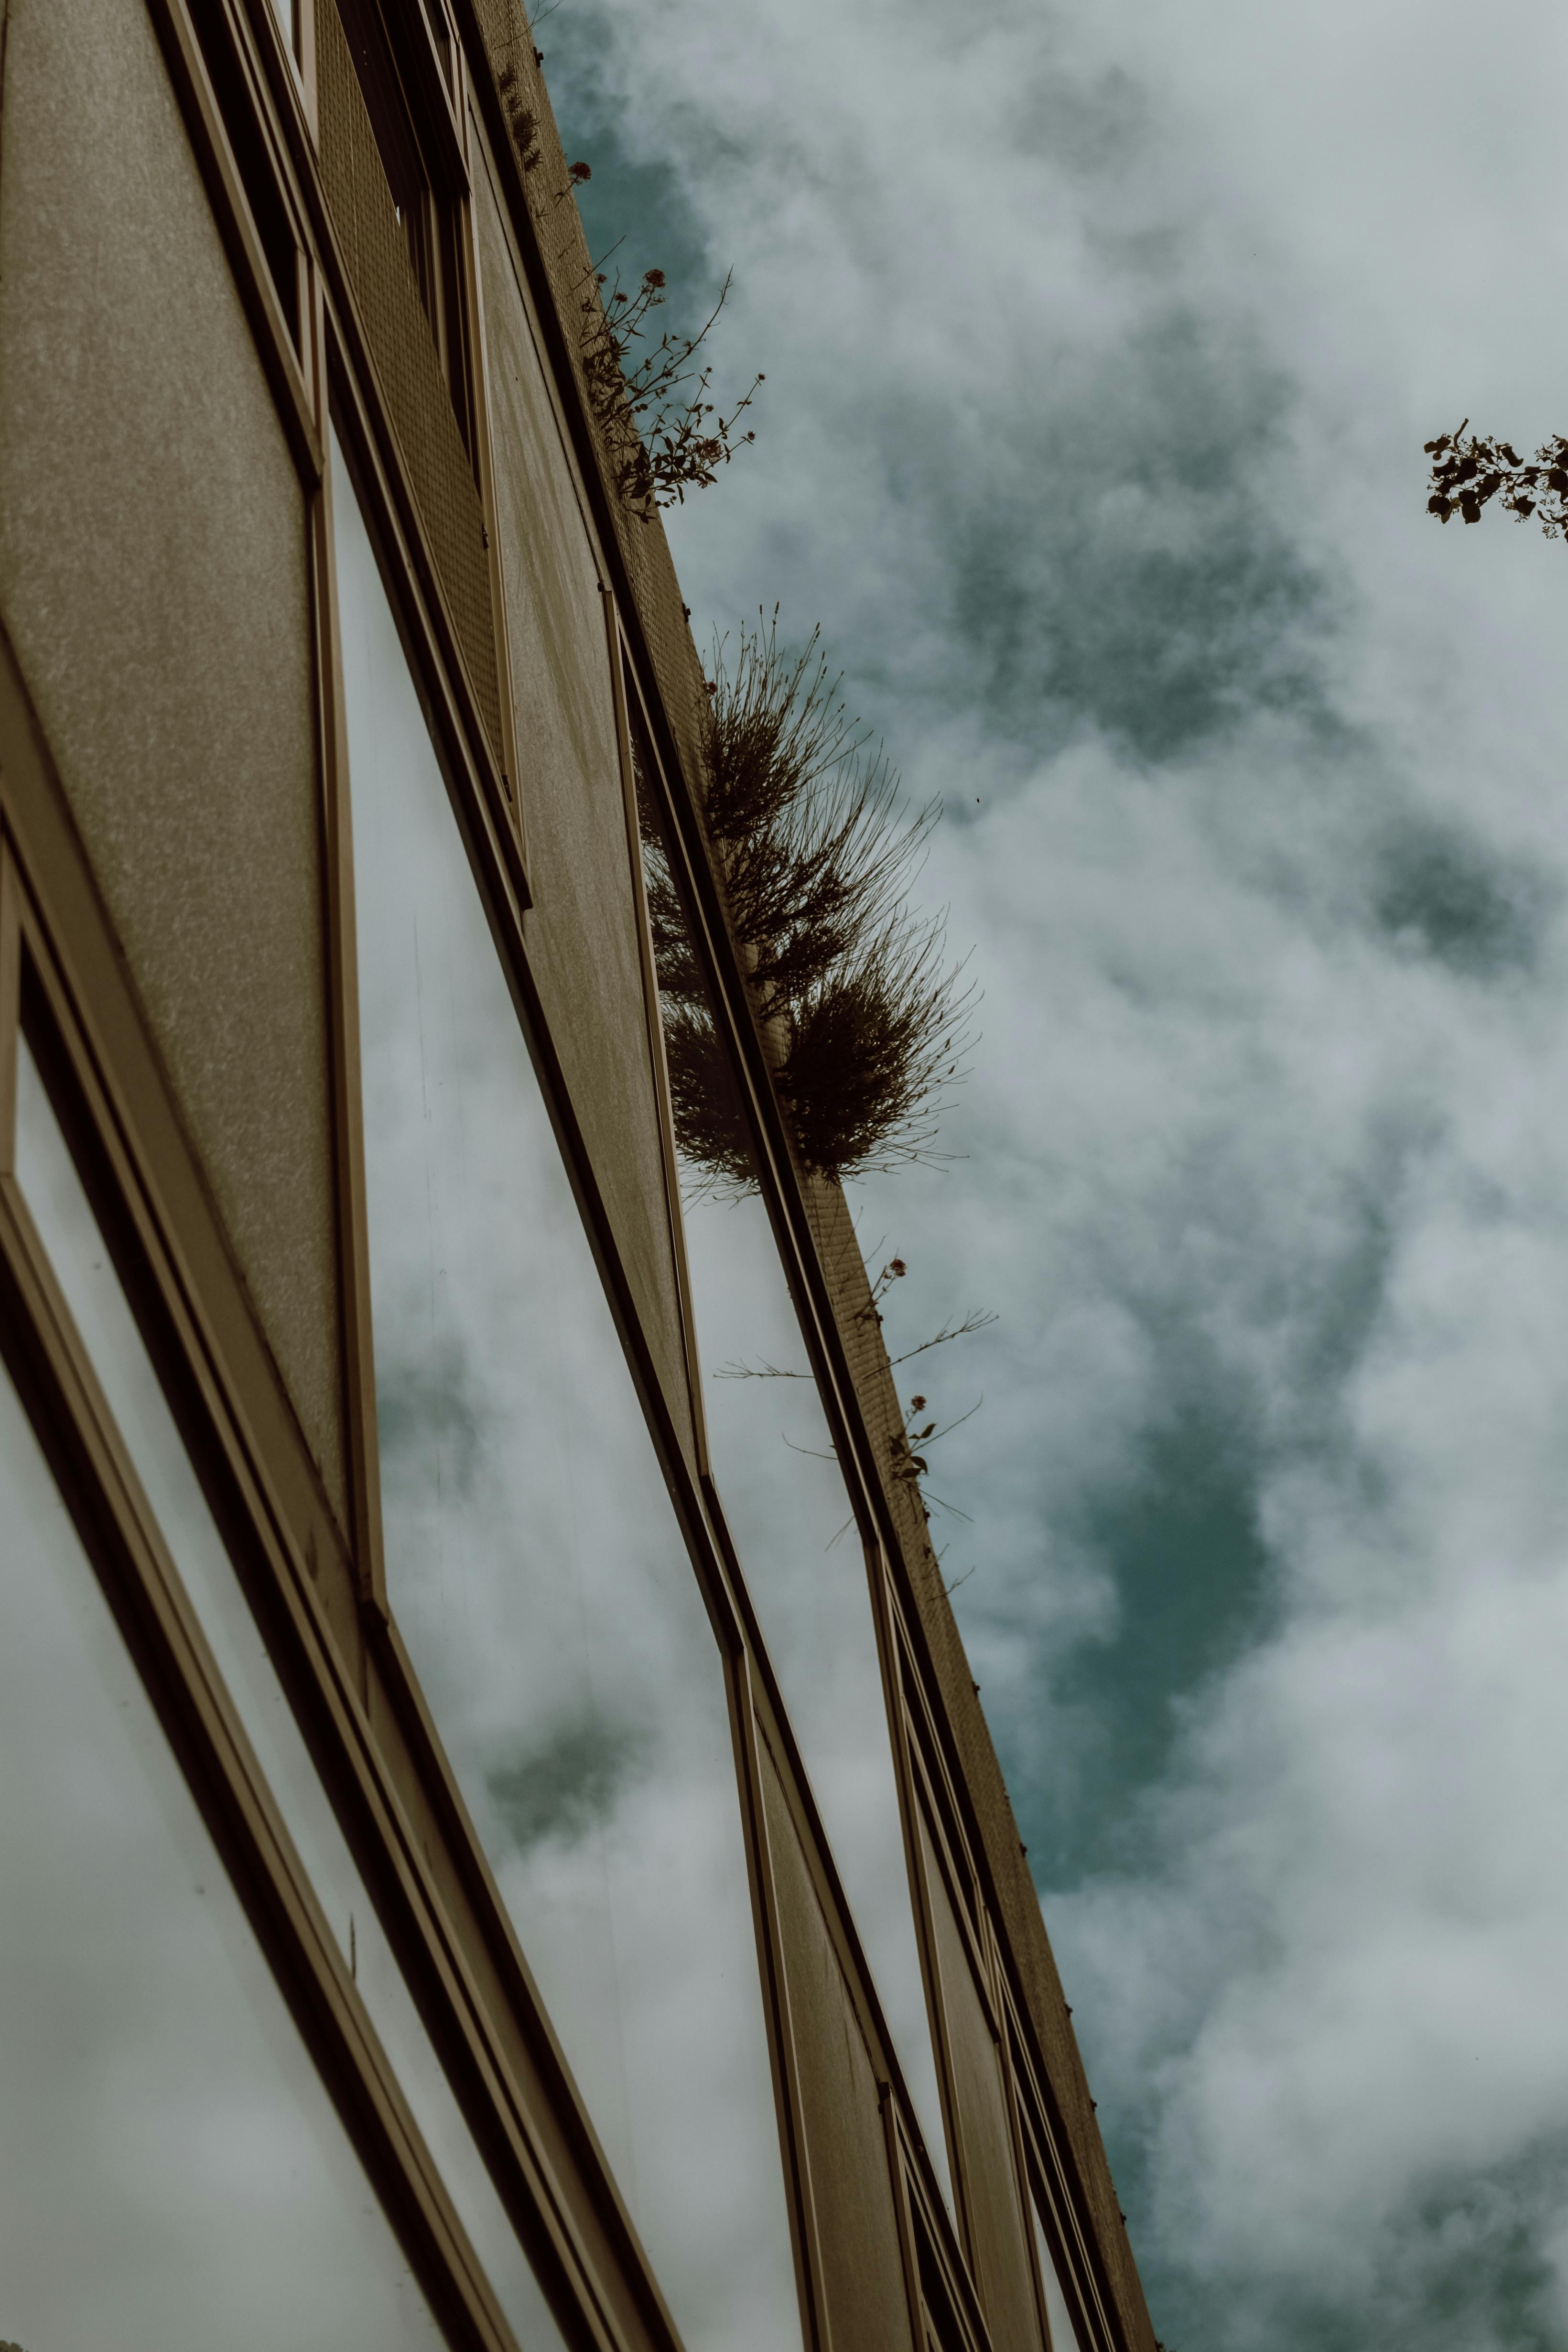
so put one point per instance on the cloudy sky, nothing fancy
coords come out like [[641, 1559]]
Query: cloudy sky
[[1099, 347]]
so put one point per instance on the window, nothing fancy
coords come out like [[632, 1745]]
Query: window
[[174, 2172], [783, 1494], [408, 92], [227, 71], [1065, 2337], [535, 1565], [240, 2157]]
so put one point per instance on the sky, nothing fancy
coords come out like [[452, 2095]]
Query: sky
[[1100, 347]]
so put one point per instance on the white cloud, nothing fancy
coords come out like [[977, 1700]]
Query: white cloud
[[1100, 349]]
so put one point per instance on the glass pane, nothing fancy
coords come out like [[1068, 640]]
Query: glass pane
[[533, 1557], [1063, 2335], [173, 2172], [103, 1316], [783, 1494]]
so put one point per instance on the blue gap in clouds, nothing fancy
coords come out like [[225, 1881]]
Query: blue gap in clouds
[[1179, 1533], [636, 207]]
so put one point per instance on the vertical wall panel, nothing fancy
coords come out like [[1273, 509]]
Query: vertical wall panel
[[997, 2225], [153, 581], [581, 929], [376, 250], [857, 2225]]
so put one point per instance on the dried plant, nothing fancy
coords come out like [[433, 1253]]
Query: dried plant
[[817, 855], [662, 434], [906, 1466], [522, 122], [1466, 474]]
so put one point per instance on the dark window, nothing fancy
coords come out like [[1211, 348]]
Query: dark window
[[248, 144], [405, 76]]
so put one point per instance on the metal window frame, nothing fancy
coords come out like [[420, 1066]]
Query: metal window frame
[[64, 1400], [343, 1667]]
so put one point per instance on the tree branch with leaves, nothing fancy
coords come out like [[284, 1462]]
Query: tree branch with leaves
[[1468, 474]]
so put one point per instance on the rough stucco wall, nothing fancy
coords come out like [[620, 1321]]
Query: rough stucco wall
[[581, 929], [153, 581]]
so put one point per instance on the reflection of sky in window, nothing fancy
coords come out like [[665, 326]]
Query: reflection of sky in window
[[1063, 2335], [533, 1557], [787, 1507], [102, 1317], [175, 2174]]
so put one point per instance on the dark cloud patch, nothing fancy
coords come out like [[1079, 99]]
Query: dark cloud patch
[[430, 1418], [565, 1787], [1124, 567], [1459, 2268], [1178, 1532], [1448, 897], [1177, 1529], [1093, 125], [635, 213]]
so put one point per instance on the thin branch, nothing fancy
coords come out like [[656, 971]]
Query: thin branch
[[937, 1435], [976, 1320], [815, 1452]]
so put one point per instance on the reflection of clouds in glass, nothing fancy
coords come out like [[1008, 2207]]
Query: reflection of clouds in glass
[[786, 1505], [1063, 2335], [174, 2172], [565, 1788], [102, 1317], [429, 1418], [785, 1501], [533, 1557]]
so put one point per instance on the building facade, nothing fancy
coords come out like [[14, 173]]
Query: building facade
[[499, 1845]]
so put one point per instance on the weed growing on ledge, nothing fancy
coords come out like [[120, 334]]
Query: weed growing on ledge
[[522, 122], [663, 434], [907, 1467], [867, 1019]]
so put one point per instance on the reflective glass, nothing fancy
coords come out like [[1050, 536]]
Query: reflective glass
[[173, 2172], [784, 1497], [534, 1561], [1063, 2335], [99, 1310]]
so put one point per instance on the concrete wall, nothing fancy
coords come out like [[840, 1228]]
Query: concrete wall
[[154, 584]]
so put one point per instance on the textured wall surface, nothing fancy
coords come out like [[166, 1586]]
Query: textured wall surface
[[857, 2227], [998, 2247], [581, 930], [153, 581]]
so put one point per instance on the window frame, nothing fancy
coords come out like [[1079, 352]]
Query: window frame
[[62, 1396]]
